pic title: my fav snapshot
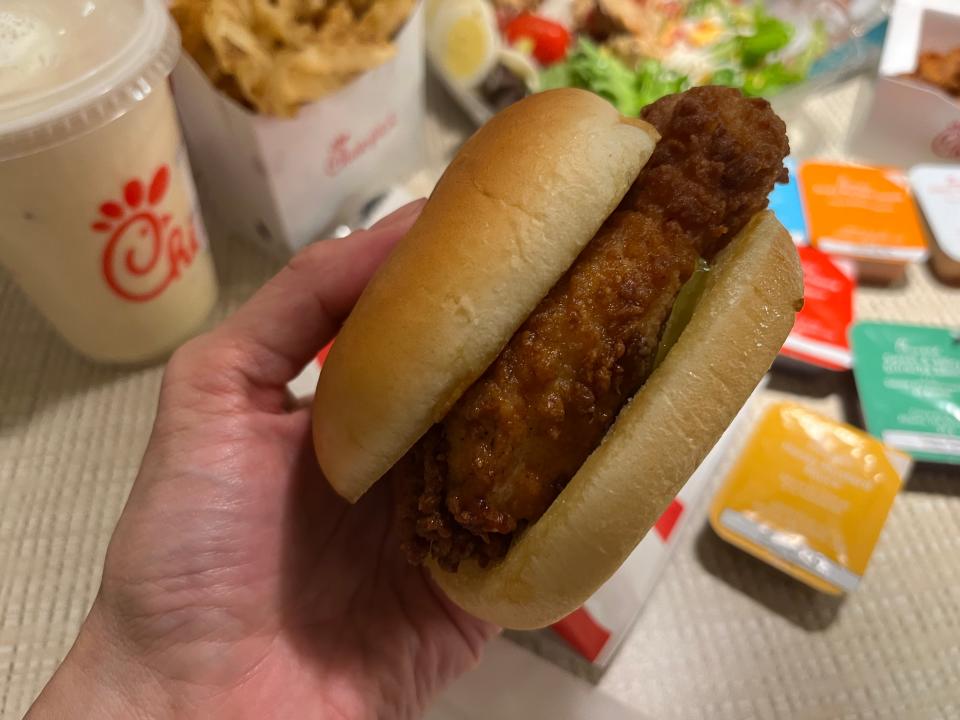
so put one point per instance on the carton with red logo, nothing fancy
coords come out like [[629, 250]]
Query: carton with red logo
[[285, 182], [915, 112]]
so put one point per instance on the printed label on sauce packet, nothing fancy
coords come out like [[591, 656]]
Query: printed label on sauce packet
[[908, 379], [809, 496], [819, 336], [862, 212], [786, 204]]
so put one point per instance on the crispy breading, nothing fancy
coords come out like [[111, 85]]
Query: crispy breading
[[519, 433]]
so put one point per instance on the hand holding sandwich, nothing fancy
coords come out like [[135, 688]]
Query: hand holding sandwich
[[517, 395], [237, 584]]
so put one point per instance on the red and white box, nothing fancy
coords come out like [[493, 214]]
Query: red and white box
[[303, 387], [283, 183]]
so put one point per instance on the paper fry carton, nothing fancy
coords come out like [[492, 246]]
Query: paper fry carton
[[283, 182]]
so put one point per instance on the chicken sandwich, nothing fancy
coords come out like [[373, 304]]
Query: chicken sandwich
[[521, 369]]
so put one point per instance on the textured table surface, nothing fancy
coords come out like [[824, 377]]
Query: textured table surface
[[723, 636]]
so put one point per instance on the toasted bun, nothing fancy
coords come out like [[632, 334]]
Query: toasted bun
[[509, 216], [657, 441]]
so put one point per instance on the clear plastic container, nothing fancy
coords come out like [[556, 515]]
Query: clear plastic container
[[854, 32], [98, 218]]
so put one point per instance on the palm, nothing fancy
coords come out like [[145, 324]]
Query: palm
[[236, 573], [237, 567]]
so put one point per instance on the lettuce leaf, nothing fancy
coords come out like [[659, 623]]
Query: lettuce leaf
[[592, 68], [748, 60], [772, 77], [769, 35]]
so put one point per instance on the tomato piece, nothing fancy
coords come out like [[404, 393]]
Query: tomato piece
[[550, 39]]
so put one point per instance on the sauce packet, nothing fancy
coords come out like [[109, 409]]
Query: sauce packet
[[786, 204], [937, 189], [863, 213], [819, 336], [810, 496], [908, 379]]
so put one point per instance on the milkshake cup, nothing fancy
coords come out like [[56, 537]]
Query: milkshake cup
[[98, 216]]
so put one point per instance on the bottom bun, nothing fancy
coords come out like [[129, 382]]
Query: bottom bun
[[746, 312]]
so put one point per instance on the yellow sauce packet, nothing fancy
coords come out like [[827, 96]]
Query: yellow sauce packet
[[810, 495]]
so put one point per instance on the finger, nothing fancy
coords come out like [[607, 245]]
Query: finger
[[301, 309], [414, 207]]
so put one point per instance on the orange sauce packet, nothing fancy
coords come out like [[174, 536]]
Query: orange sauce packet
[[809, 495], [864, 213]]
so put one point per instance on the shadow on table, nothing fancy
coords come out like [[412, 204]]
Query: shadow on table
[[934, 479], [803, 606], [820, 384]]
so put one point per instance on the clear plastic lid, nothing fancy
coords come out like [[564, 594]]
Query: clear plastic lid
[[71, 66]]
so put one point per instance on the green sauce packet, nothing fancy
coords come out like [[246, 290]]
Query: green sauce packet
[[908, 378]]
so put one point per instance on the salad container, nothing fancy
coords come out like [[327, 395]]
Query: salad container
[[490, 53]]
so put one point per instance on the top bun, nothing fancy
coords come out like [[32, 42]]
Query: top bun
[[509, 216]]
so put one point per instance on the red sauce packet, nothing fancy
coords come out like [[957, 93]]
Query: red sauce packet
[[819, 336]]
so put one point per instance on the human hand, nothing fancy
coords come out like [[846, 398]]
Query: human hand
[[237, 583]]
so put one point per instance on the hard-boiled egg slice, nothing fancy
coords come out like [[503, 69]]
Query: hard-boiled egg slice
[[463, 40]]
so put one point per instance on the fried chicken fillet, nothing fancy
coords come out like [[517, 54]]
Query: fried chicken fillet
[[941, 70], [523, 429]]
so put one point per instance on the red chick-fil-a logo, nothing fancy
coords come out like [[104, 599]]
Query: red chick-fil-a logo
[[342, 153], [947, 143], [145, 251]]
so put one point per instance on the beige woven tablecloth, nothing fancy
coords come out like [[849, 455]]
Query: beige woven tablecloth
[[723, 635]]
